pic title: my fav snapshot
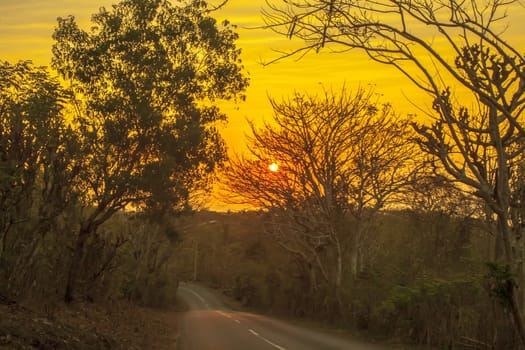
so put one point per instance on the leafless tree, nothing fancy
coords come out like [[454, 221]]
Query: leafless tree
[[342, 158], [443, 47]]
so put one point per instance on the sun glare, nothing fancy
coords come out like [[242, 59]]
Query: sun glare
[[273, 167]]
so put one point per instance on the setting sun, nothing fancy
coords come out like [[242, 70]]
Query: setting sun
[[273, 167]]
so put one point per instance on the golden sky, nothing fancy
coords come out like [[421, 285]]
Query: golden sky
[[26, 27]]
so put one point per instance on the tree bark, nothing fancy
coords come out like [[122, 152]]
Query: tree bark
[[74, 266], [515, 308], [355, 251]]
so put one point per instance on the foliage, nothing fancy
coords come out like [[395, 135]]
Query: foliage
[[144, 80], [147, 271], [414, 288], [501, 282], [142, 76], [135, 128], [449, 302], [38, 167]]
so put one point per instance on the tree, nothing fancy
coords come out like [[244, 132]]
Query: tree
[[147, 257], [37, 166], [145, 78], [342, 158], [476, 140]]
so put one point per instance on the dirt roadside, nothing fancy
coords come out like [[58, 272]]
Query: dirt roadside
[[88, 326]]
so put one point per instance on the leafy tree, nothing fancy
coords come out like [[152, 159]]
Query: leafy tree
[[342, 158], [462, 49], [151, 248], [145, 78], [37, 166]]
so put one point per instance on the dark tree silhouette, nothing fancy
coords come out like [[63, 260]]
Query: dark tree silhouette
[[144, 78], [38, 165], [342, 159], [443, 47]]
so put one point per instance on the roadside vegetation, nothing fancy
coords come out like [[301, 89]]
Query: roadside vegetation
[[408, 228], [102, 151], [426, 281]]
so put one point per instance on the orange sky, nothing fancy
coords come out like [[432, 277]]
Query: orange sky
[[26, 27]]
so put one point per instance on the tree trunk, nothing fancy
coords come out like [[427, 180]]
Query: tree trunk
[[339, 278], [522, 276], [517, 316], [356, 258], [3, 240], [74, 266], [502, 194], [515, 309], [312, 279]]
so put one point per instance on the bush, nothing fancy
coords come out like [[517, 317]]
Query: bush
[[433, 312]]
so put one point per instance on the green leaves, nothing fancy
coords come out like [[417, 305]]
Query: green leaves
[[501, 282], [37, 155]]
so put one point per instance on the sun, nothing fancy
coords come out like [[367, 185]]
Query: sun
[[273, 167]]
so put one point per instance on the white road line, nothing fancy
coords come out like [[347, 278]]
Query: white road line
[[266, 340], [223, 314], [228, 316], [197, 295]]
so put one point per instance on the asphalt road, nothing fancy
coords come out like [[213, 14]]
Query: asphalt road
[[209, 325]]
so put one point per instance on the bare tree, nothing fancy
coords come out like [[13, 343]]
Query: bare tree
[[444, 47], [342, 158]]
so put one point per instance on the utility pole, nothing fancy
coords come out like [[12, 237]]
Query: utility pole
[[195, 259]]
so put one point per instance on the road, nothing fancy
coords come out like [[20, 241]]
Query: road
[[210, 325]]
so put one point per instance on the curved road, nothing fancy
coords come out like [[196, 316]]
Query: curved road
[[209, 325]]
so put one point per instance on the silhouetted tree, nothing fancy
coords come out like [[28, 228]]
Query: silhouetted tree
[[342, 158], [442, 46], [144, 79], [38, 154]]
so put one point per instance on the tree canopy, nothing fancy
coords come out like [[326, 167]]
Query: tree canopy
[[38, 164], [145, 79], [342, 158], [446, 48]]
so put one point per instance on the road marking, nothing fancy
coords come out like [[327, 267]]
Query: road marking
[[239, 322], [197, 295], [266, 340], [223, 314]]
